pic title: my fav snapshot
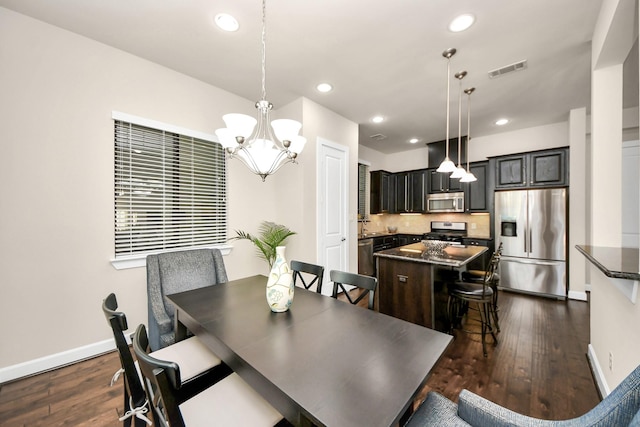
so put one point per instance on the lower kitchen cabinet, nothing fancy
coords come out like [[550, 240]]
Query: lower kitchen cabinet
[[404, 291]]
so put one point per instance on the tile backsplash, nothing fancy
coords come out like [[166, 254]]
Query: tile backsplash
[[478, 225]]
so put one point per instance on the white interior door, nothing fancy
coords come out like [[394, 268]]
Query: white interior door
[[333, 212]]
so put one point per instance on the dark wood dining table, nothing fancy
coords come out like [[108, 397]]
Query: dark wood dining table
[[323, 362]]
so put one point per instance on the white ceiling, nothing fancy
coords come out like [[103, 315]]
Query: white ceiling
[[382, 57]]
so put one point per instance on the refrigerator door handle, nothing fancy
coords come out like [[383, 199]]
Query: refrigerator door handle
[[530, 240]]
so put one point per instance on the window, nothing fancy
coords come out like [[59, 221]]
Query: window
[[364, 178], [170, 189]]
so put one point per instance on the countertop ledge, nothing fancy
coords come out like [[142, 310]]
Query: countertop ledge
[[618, 263]]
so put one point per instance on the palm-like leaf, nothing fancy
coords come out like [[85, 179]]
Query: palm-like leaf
[[270, 236]]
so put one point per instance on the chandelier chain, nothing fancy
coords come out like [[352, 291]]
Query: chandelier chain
[[264, 49]]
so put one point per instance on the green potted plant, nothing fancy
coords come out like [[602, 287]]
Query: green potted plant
[[270, 236]]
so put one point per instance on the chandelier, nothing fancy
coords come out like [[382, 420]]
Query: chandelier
[[447, 165], [262, 145]]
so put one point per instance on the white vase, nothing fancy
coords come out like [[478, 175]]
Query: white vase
[[280, 283]]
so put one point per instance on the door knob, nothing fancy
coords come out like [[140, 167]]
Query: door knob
[[343, 239]]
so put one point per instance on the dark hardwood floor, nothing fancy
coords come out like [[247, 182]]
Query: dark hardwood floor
[[539, 368]]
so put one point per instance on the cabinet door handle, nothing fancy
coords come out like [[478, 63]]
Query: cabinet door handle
[[402, 278]]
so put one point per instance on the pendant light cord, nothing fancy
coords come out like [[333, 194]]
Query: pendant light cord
[[448, 85]]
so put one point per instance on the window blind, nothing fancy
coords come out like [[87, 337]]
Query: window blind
[[170, 191], [364, 179]]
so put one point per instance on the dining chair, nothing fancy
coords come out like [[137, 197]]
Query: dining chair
[[620, 408], [366, 284], [463, 294], [227, 402], [172, 272], [316, 273], [199, 365]]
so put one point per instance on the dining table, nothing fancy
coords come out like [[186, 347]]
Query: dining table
[[323, 362]]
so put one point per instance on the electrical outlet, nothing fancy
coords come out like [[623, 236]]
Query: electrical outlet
[[610, 361], [473, 225]]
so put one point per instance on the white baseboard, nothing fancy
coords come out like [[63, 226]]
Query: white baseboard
[[53, 361], [601, 382], [578, 295]]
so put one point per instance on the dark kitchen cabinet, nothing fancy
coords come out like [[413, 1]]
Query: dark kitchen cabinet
[[404, 290], [382, 198], [442, 183], [547, 168], [411, 191], [407, 239], [438, 151], [478, 193]]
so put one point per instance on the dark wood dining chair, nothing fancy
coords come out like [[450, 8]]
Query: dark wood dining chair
[[478, 276], [315, 274], [366, 285], [465, 296], [199, 365], [229, 401]]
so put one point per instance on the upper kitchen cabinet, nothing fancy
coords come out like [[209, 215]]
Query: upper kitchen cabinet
[[442, 183], [438, 151], [547, 168], [382, 192], [477, 193], [411, 190]]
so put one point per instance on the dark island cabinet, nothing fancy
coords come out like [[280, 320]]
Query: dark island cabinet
[[382, 196], [442, 183], [547, 168], [478, 193], [405, 291], [411, 190]]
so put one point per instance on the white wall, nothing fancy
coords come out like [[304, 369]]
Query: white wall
[[613, 315], [56, 181]]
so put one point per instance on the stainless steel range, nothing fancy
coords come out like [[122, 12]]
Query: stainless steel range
[[452, 232]]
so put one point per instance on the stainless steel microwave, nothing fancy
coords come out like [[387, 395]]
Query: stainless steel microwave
[[445, 202]]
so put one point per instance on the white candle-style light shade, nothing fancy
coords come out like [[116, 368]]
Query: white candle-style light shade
[[447, 166], [297, 144], [286, 129], [227, 138], [240, 125], [458, 173]]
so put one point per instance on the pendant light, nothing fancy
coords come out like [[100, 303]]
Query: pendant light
[[262, 145], [468, 177], [447, 165], [460, 171]]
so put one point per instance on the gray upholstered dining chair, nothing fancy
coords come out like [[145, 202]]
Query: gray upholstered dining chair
[[620, 408], [227, 402], [172, 272], [366, 284], [315, 274]]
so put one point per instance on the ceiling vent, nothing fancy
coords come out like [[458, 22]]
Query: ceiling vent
[[518, 66], [378, 137]]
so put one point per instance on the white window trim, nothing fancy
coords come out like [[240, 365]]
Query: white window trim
[[136, 261]]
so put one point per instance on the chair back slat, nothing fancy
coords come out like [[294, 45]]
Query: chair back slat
[[316, 271], [367, 284]]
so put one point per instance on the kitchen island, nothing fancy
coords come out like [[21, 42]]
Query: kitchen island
[[406, 278]]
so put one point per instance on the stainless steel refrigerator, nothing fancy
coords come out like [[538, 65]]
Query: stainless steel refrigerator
[[531, 225]]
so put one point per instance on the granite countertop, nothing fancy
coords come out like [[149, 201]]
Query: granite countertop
[[372, 234], [620, 263], [451, 256]]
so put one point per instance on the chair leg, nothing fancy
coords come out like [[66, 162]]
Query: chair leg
[[494, 308]]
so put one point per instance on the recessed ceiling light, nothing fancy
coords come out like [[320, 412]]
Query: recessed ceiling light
[[462, 22], [324, 87], [502, 122], [226, 22], [414, 140], [377, 119]]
